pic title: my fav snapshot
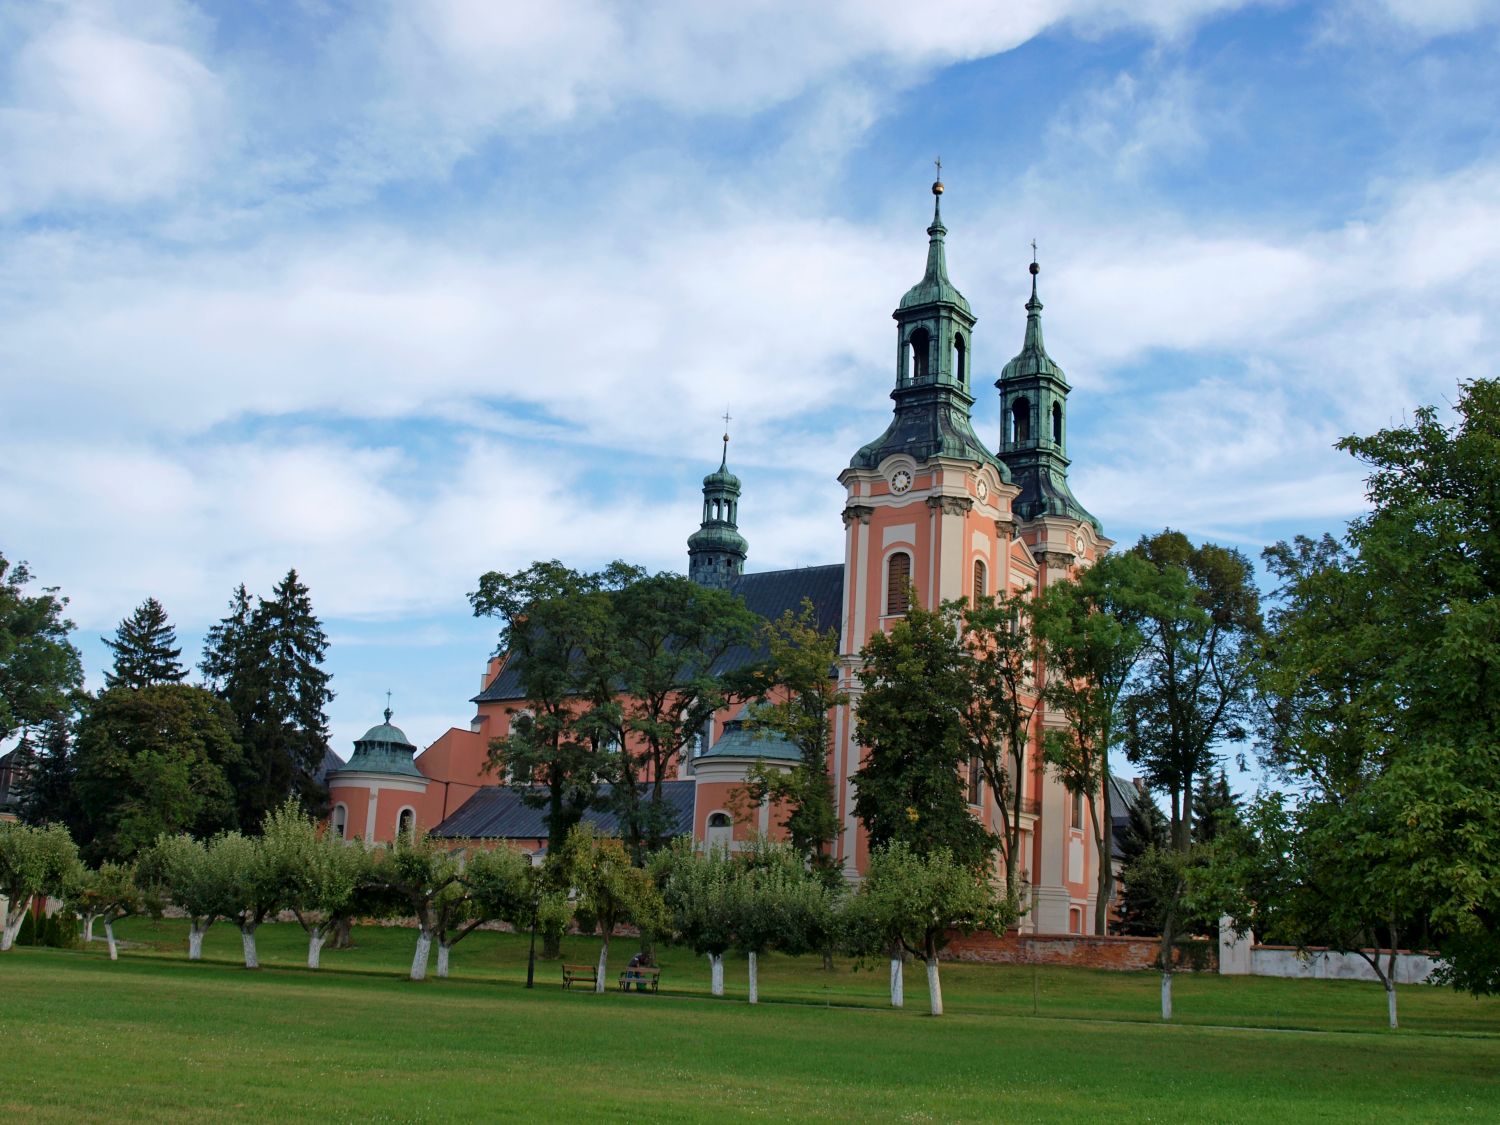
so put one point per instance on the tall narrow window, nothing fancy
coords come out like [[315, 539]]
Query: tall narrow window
[[1057, 423], [979, 590], [406, 825], [898, 584], [1077, 810], [976, 782], [1020, 421], [920, 342], [960, 364], [340, 822]]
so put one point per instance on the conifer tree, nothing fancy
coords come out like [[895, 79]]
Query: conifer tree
[[145, 648], [41, 672], [44, 793]]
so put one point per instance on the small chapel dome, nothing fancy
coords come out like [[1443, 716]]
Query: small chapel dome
[[384, 749]]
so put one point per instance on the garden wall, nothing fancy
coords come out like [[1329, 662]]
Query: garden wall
[[1122, 954]]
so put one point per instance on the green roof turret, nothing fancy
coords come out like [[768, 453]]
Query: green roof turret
[[935, 287], [716, 551], [384, 749]]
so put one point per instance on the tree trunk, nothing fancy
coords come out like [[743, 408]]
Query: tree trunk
[[603, 965], [420, 956], [754, 982], [551, 945], [443, 948], [1106, 884], [716, 973], [88, 928], [1166, 994], [898, 982], [315, 939], [13, 923], [343, 933], [195, 941], [247, 940], [109, 936], [934, 986]]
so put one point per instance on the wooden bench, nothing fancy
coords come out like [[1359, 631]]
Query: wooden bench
[[584, 974], [642, 975]]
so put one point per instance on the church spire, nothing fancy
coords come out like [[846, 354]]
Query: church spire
[[716, 551]]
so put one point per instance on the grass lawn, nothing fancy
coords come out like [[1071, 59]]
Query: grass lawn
[[156, 1037]]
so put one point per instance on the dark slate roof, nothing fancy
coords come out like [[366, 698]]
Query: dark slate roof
[[769, 593], [1123, 796], [497, 812], [330, 762]]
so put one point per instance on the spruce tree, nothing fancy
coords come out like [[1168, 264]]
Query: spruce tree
[[45, 789], [1147, 833], [146, 650], [1215, 807]]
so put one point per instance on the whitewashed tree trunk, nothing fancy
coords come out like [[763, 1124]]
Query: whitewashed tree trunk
[[109, 936], [934, 987], [1166, 996], [716, 973], [754, 981], [88, 928], [420, 957], [247, 941], [12, 928], [442, 968], [315, 939], [1390, 1001], [898, 982], [195, 941], [603, 965]]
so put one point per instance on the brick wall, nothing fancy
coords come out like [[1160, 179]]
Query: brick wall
[[1123, 954]]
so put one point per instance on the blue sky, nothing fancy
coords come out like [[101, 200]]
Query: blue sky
[[399, 293]]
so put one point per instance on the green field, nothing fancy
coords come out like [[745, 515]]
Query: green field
[[156, 1037]]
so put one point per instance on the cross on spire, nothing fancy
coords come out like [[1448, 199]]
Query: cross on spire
[[938, 162], [387, 706]]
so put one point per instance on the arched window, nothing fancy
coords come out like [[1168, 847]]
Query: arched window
[[979, 586], [406, 824], [1057, 423], [898, 583], [920, 344], [720, 830], [339, 822], [1020, 421], [960, 360]]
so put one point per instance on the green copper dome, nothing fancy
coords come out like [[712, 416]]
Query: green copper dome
[[935, 288], [383, 749]]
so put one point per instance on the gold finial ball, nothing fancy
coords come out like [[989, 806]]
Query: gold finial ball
[[937, 187], [1035, 269]]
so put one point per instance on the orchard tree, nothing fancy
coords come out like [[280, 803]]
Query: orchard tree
[[611, 890], [917, 686], [776, 903], [145, 650], [255, 885], [319, 872], [107, 894], [195, 877], [912, 902], [698, 889], [41, 673], [494, 885], [33, 861], [419, 873], [152, 760], [1092, 634], [798, 686]]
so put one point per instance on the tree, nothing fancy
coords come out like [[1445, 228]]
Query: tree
[[108, 894], [41, 672], [1193, 690], [196, 879], [776, 903], [320, 873], [611, 890], [266, 663], [145, 650], [1216, 809], [1092, 635], [47, 774], [556, 627], [254, 883], [496, 884], [33, 861], [1001, 646], [669, 635], [153, 760], [698, 890], [799, 692], [916, 687], [419, 873], [913, 902], [1146, 829]]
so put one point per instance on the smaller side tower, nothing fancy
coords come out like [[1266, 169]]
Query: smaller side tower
[[716, 551]]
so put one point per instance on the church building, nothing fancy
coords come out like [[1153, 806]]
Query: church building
[[928, 509]]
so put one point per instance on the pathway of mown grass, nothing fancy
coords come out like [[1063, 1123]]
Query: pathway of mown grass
[[158, 1039], [967, 988]]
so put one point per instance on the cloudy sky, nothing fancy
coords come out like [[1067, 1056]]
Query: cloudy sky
[[396, 293]]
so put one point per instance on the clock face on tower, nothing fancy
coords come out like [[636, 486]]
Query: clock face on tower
[[900, 481], [982, 489]]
